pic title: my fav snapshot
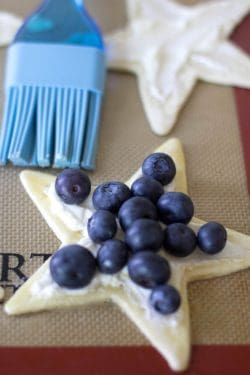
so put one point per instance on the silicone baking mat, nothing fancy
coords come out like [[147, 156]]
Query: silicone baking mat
[[99, 339]]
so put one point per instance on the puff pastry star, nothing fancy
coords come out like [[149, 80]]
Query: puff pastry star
[[170, 46], [169, 334], [9, 24]]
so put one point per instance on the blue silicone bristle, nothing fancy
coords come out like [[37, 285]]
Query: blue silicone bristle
[[91, 140], [24, 132], [80, 126], [8, 123], [45, 131], [54, 85], [64, 126]]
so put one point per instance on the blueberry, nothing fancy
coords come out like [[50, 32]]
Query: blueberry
[[112, 256], [179, 240], [148, 269], [147, 187], [72, 186], [136, 208], [175, 207], [102, 226], [212, 238], [110, 196], [165, 299], [72, 266], [144, 234], [160, 166]]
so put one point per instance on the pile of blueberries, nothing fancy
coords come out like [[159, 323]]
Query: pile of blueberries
[[150, 220]]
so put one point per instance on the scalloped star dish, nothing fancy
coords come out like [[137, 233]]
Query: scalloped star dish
[[170, 46], [170, 335]]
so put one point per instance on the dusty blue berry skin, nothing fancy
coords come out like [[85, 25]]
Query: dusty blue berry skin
[[112, 256], [147, 187], [148, 269], [110, 196], [212, 238], [72, 186], [165, 299], [102, 226], [179, 240], [144, 234], [159, 166], [136, 208], [72, 267], [175, 207]]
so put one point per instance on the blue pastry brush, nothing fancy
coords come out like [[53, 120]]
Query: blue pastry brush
[[55, 76]]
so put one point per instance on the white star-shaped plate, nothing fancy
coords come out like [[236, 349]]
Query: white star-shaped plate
[[169, 334], [170, 46]]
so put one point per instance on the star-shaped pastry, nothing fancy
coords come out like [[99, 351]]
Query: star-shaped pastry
[[9, 24], [170, 46], [169, 334]]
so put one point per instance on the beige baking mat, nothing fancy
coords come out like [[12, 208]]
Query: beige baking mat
[[208, 129]]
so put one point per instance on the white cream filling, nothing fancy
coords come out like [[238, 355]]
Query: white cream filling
[[46, 287], [76, 217], [174, 50]]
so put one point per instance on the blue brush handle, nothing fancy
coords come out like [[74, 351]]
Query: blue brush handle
[[61, 22]]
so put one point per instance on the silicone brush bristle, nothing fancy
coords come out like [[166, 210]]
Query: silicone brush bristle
[[91, 141], [24, 132], [80, 118], [45, 125]]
